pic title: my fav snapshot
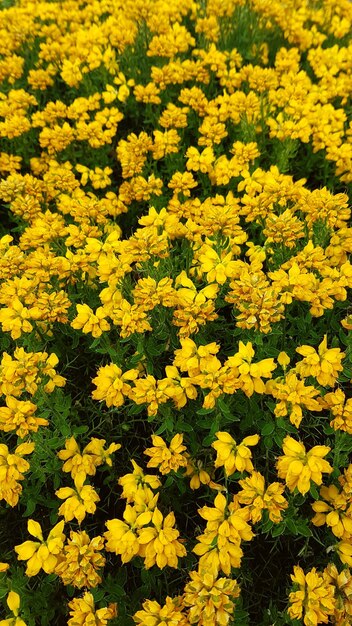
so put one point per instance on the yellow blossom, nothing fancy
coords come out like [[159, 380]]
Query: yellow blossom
[[210, 599], [137, 481], [41, 554], [250, 374], [13, 602], [257, 498], [166, 458], [299, 467], [155, 615], [122, 536], [80, 560], [112, 385], [83, 612], [324, 365], [90, 322], [314, 600], [78, 501], [160, 542], [232, 456]]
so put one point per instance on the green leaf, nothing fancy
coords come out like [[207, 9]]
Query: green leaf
[[314, 492], [291, 525], [267, 526], [79, 430], [268, 442], [205, 411], [30, 508], [184, 427], [278, 529], [268, 429], [303, 529]]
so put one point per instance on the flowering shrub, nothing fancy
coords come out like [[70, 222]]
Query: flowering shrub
[[175, 326]]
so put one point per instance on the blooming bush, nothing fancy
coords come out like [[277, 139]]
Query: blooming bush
[[175, 326]]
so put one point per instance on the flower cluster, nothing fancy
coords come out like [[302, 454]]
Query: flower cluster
[[176, 275]]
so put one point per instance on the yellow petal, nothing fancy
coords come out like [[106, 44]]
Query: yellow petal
[[252, 440], [26, 550], [34, 529], [13, 602]]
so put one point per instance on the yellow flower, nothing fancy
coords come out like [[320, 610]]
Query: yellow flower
[[196, 359], [78, 501], [200, 161], [83, 612], [343, 593], [210, 599], [324, 365], [133, 483], [314, 600], [250, 374], [166, 459], [219, 547], [284, 360], [344, 550], [335, 512], [96, 448], [90, 322], [41, 554], [179, 388], [13, 602], [232, 456], [257, 498], [228, 520], [112, 385], [75, 462], [299, 467], [217, 267], [200, 475], [340, 408], [80, 560], [217, 553], [19, 416], [12, 468], [122, 537], [148, 391], [293, 394], [4, 567], [155, 615], [15, 319], [160, 542]]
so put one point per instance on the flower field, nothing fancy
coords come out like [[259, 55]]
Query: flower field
[[175, 313]]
